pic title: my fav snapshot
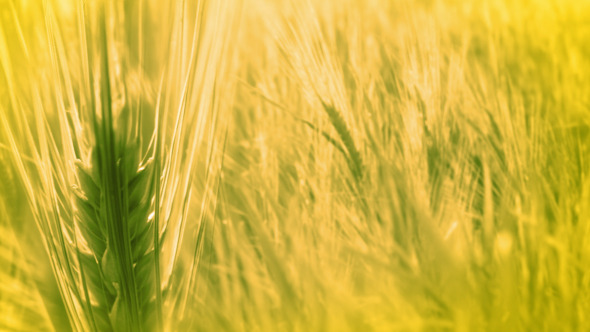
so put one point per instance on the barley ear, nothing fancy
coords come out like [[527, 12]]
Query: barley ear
[[353, 157]]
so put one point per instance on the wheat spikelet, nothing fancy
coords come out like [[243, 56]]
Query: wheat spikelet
[[109, 306], [353, 157]]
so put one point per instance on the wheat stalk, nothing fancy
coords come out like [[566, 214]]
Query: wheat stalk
[[22, 307]]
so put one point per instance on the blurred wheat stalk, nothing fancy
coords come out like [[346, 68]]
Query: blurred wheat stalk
[[107, 158]]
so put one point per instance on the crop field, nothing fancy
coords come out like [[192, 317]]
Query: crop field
[[294, 165]]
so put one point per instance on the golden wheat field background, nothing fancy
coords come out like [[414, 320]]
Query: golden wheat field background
[[294, 165]]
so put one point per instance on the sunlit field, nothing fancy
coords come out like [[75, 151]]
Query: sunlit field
[[295, 165]]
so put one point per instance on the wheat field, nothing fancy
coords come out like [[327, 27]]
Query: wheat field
[[294, 165]]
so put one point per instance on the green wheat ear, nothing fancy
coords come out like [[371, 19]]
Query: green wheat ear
[[113, 205], [351, 153]]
